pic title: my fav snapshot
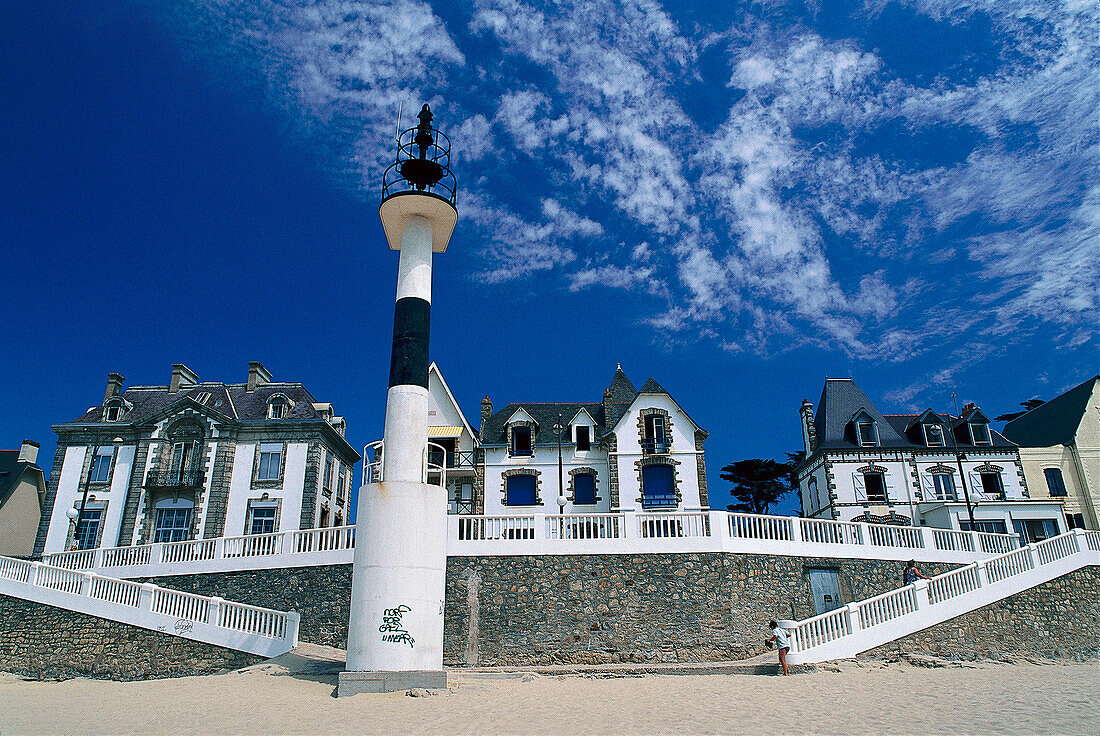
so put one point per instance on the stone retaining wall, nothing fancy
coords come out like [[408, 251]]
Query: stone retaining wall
[[45, 643], [578, 608], [1059, 619]]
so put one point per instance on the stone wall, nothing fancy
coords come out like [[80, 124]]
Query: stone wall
[[44, 642], [1057, 619], [577, 609]]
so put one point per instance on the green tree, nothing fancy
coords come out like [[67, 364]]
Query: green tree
[[757, 484], [1028, 406]]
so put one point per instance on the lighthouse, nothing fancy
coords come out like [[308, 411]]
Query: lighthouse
[[395, 633]]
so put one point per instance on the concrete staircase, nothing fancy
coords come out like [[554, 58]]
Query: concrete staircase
[[863, 625]]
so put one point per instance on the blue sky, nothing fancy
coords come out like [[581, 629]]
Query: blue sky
[[735, 198]]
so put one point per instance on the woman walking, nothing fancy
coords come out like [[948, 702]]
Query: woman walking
[[781, 639]]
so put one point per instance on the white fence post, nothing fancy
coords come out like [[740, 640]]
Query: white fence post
[[864, 532], [156, 553], [920, 595], [219, 548], [145, 597], [293, 623], [36, 567], [541, 528], [983, 574], [213, 612], [630, 525], [719, 524], [796, 529], [976, 542], [928, 540], [852, 614], [85, 583]]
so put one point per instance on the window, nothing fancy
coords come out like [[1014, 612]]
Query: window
[[989, 527], [980, 434], [324, 519], [815, 497], [866, 433], [1075, 521], [100, 472], [203, 397], [521, 441], [1055, 484], [262, 519], [172, 522], [340, 487], [87, 528], [945, 487], [992, 485], [1034, 530], [113, 412], [656, 437], [875, 483], [584, 438], [519, 490], [278, 408], [933, 435], [658, 487], [328, 472], [584, 489], [183, 460], [338, 519], [270, 461]]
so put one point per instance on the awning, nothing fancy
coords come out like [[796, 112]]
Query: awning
[[439, 432]]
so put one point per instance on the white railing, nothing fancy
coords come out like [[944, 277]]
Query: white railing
[[431, 472], [237, 626], [863, 625], [627, 532]]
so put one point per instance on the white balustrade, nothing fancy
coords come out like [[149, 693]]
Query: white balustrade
[[323, 540], [664, 524], [997, 544], [883, 535], [496, 527], [254, 545], [188, 551], [584, 526], [823, 531], [1093, 540], [953, 540], [756, 526], [894, 614], [225, 623]]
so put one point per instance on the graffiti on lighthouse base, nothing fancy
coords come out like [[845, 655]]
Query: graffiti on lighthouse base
[[392, 629]]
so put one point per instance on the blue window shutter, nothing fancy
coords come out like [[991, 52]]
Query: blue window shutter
[[520, 490], [584, 488], [657, 486]]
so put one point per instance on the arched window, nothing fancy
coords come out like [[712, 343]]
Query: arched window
[[519, 490], [658, 487], [173, 519], [112, 412], [944, 483], [278, 406], [185, 465]]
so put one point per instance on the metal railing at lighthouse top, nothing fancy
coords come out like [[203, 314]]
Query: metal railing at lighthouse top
[[423, 163]]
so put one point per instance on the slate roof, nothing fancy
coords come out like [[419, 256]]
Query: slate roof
[[11, 470], [146, 403], [841, 399], [1055, 422]]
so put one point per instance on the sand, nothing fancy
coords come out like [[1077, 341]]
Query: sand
[[860, 698]]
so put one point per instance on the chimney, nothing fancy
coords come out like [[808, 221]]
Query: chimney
[[28, 451], [257, 375], [486, 412], [969, 408], [607, 407], [114, 386], [809, 431], [182, 377]]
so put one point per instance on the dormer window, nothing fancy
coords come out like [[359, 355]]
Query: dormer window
[[278, 407], [113, 412], [520, 442], [203, 397], [979, 434], [933, 435], [865, 432]]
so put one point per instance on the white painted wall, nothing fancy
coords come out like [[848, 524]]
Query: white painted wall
[[240, 485], [545, 460], [290, 494], [116, 500], [68, 489]]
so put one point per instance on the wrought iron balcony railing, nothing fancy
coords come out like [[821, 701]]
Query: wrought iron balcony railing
[[656, 445], [175, 479]]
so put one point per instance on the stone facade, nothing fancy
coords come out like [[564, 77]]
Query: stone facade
[[47, 643], [1056, 619]]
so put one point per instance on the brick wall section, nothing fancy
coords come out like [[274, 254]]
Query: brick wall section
[[51, 495], [311, 487], [219, 488], [1056, 619], [701, 468], [44, 642]]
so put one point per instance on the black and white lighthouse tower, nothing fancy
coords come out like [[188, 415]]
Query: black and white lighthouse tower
[[395, 636]]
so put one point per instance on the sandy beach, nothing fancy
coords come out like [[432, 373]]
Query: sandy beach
[[860, 698]]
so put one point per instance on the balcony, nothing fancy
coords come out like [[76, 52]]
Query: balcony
[[174, 480], [455, 460], [656, 445]]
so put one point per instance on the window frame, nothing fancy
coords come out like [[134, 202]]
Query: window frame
[[513, 449], [668, 500], [595, 490], [330, 466], [116, 408], [873, 431], [985, 428], [587, 437], [175, 532], [534, 490], [261, 452], [928, 439], [84, 521], [941, 495], [1000, 493], [96, 465], [264, 505], [867, 490]]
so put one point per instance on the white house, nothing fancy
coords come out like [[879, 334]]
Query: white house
[[636, 450], [862, 465], [196, 459]]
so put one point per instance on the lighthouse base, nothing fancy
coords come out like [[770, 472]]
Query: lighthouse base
[[353, 683]]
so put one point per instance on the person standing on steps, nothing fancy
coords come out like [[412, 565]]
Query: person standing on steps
[[782, 640], [911, 574]]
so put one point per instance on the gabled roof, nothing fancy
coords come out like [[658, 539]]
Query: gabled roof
[[544, 415], [622, 395], [451, 397], [652, 387], [583, 411], [1055, 422]]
